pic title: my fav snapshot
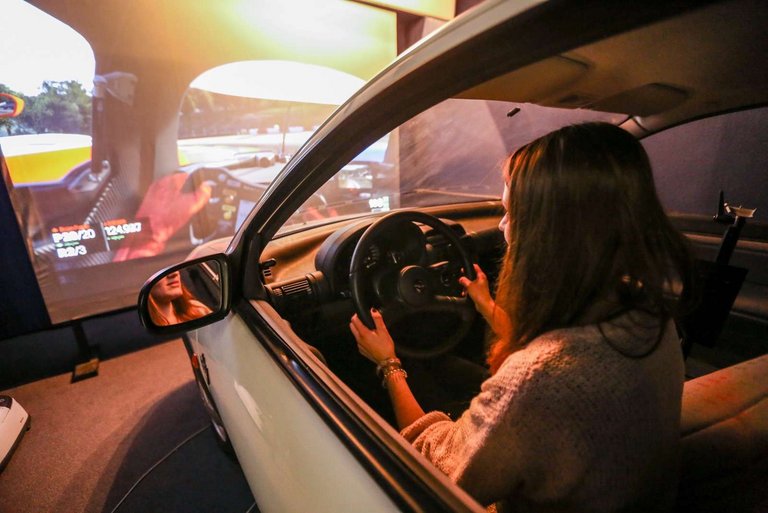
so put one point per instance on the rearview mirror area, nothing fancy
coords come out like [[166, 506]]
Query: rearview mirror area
[[186, 296]]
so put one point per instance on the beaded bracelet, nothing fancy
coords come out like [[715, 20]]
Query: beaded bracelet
[[386, 364], [391, 371]]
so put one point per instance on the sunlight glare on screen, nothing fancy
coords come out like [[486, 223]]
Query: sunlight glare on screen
[[56, 53], [280, 80]]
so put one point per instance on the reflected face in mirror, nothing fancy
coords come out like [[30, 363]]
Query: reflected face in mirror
[[186, 294], [168, 288]]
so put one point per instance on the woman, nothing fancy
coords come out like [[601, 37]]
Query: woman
[[582, 409], [171, 303]]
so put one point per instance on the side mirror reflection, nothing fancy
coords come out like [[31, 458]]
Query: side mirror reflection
[[185, 293]]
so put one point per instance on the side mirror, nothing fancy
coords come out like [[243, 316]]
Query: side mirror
[[10, 105], [186, 296]]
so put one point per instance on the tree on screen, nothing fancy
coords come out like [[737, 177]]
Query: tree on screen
[[60, 107]]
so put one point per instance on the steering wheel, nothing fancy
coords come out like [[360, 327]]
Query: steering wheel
[[218, 218], [403, 284], [203, 225]]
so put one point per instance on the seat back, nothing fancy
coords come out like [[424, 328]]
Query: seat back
[[724, 429]]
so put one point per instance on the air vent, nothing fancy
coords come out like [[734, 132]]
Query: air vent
[[294, 297], [299, 296], [297, 287]]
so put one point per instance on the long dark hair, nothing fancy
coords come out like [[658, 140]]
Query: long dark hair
[[586, 226]]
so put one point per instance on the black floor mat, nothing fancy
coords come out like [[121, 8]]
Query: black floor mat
[[195, 477]]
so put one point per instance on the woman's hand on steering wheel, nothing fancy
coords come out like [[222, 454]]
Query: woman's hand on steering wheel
[[375, 344], [480, 292], [418, 285]]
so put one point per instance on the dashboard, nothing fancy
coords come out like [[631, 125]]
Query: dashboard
[[310, 269]]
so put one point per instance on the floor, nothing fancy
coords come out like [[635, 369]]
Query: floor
[[133, 438]]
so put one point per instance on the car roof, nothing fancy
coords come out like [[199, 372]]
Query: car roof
[[661, 65], [706, 61]]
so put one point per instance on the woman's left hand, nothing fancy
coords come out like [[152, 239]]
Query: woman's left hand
[[376, 344]]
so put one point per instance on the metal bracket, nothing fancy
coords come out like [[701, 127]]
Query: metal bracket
[[87, 364]]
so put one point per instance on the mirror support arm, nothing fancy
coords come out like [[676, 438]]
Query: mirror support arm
[[87, 365]]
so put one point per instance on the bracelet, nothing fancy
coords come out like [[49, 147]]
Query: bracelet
[[391, 371], [386, 364]]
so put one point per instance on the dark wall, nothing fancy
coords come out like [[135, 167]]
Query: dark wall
[[49, 352], [22, 309]]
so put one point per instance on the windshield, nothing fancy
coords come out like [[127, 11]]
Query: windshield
[[241, 122], [451, 153], [257, 112], [237, 132]]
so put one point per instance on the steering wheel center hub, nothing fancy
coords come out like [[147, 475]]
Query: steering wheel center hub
[[413, 285]]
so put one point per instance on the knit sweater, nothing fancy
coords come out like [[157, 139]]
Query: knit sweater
[[581, 419]]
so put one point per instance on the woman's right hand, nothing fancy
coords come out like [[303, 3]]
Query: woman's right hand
[[480, 292]]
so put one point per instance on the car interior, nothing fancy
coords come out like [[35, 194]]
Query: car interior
[[682, 91], [311, 273]]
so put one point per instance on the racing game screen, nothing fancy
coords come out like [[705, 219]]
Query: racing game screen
[[113, 176], [95, 232]]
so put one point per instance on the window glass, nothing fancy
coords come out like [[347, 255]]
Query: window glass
[[451, 153], [239, 125], [693, 162]]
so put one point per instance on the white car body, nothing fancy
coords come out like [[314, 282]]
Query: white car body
[[291, 459]]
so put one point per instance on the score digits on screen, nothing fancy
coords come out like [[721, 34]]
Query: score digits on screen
[[82, 239]]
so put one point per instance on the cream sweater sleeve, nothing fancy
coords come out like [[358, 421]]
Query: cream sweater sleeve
[[487, 451]]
